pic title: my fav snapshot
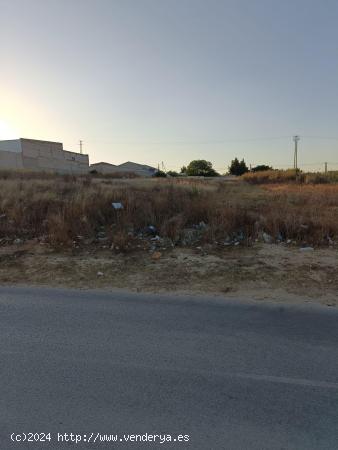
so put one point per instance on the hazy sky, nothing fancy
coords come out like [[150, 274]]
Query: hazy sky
[[173, 80]]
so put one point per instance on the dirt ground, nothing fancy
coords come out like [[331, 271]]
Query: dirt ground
[[266, 272]]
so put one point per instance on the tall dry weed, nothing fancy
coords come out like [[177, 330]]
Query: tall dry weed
[[62, 208]]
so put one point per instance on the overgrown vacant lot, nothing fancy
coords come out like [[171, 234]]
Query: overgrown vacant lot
[[191, 235], [58, 210]]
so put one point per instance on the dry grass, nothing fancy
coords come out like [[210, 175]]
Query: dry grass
[[289, 177], [270, 176], [58, 209]]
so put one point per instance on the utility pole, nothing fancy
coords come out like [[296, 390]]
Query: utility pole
[[81, 144], [326, 168], [295, 157]]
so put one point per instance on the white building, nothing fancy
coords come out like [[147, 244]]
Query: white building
[[46, 156], [103, 167], [141, 170]]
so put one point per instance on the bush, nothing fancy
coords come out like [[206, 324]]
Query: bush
[[273, 176], [261, 168], [160, 174], [172, 173], [322, 178]]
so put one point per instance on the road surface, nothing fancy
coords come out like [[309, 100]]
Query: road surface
[[222, 374]]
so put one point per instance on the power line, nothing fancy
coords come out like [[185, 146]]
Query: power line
[[296, 139], [187, 142], [333, 138], [207, 141]]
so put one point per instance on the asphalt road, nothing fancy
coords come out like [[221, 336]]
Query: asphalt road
[[229, 375]]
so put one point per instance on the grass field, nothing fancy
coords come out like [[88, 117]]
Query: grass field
[[59, 209], [209, 236], [290, 176]]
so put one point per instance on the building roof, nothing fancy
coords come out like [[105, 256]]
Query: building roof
[[32, 140], [40, 140], [104, 163], [19, 140], [135, 166]]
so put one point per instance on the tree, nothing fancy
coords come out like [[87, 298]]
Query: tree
[[184, 169], [201, 168], [172, 173], [261, 168], [160, 174], [238, 167]]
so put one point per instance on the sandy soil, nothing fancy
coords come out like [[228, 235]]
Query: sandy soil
[[262, 272]]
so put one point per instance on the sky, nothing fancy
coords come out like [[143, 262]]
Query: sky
[[173, 80]]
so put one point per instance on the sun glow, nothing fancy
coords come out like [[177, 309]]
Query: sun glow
[[7, 131]]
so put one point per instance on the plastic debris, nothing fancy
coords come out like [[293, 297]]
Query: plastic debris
[[150, 230], [267, 238], [117, 205]]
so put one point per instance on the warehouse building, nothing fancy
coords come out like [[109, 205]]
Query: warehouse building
[[36, 155], [103, 167], [141, 170]]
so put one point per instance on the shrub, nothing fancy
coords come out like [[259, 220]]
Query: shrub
[[172, 173], [272, 176], [261, 168], [160, 174]]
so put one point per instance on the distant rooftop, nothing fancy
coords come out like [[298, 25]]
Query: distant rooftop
[[27, 139], [131, 163], [105, 163], [19, 140]]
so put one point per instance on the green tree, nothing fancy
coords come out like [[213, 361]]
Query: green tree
[[261, 168], [172, 173], [201, 168], [160, 174], [238, 167], [184, 169]]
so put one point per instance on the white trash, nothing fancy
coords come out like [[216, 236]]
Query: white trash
[[117, 205]]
